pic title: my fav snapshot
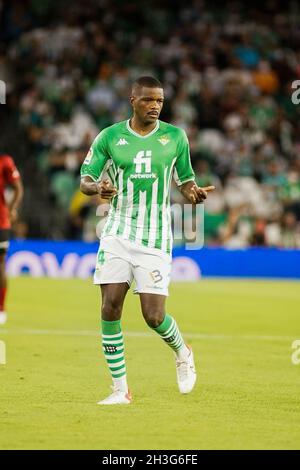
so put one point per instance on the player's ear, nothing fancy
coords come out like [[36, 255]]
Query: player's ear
[[132, 100]]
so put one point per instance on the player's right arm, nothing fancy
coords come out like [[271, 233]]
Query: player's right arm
[[95, 164], [103, 188]]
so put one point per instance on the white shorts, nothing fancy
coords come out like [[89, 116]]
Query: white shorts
[[121, 260]]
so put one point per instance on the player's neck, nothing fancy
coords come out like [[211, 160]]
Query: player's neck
[[140, 128]]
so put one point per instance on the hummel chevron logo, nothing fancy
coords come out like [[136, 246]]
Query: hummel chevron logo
[[122, 142]]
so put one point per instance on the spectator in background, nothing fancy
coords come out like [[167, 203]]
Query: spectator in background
[[227, 75]]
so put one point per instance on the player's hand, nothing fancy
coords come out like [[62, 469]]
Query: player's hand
[[196, 195], [106, 190]]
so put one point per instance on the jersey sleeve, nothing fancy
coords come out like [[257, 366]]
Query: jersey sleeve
[[183, 170], [97, 160], [10, 171]]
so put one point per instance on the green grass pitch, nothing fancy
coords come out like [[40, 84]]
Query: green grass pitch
[[247, 395]]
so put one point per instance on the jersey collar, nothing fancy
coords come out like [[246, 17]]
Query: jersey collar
[[139, 135]]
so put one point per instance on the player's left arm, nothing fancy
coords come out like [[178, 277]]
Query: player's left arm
[[194, 193], [13, 178], [184, 174], [18, 192]]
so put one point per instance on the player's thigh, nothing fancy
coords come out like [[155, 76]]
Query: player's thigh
[[114, 274], [152, 273], [113, 296], [113, 265]]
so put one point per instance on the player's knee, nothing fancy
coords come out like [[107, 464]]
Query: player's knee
[[154, 319], [111, 310]]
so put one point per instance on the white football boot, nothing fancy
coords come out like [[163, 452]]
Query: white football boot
[[117, 398], [3, 318], [186, 373]]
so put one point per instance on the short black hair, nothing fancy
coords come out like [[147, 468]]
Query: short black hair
[[146, 81]]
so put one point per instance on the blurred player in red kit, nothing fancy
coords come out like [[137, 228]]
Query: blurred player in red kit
[[9, 176]]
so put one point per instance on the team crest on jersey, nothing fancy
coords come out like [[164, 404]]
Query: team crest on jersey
[[89, 157], [164, 140]]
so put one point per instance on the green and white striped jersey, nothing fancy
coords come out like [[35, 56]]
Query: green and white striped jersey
[[141, 168]]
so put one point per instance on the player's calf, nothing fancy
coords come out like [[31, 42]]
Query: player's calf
[[185, 367]]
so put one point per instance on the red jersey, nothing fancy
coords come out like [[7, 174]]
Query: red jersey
[[8, 175]]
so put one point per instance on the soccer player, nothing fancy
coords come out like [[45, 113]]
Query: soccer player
[[140, 156], [9, 176]]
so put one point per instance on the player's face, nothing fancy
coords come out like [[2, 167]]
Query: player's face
[[147, 104]]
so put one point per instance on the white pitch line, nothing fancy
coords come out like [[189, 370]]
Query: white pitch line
[[139, 334]]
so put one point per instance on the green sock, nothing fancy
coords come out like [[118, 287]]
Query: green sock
[[169, 332], [113, 348]]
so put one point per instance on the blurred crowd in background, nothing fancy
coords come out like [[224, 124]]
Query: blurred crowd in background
[[227, 71]]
